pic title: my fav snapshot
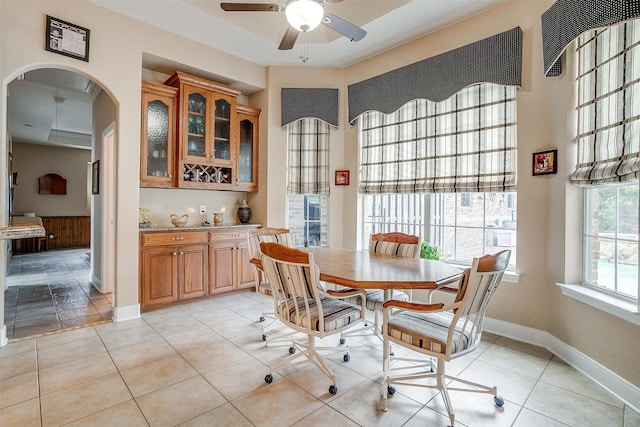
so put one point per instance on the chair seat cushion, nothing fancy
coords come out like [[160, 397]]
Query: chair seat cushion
[[337, 314], [428, 331], [265, 289], [375, 298]]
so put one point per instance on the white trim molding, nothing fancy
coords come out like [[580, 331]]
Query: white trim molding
[[3, 336], [128, 312], [608, 303], [623, 389]]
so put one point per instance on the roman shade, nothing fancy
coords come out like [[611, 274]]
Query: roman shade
[[496, 59], [318, 103], [308, 157], [567, 19]]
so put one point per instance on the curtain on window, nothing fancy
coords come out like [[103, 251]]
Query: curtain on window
[[563, 22], [308, 157], [466, 143], [608, 105]]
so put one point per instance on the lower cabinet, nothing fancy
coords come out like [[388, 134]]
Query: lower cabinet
[[180, 265], [174, 267], [226, 249]]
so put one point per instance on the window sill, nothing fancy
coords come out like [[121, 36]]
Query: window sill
[[607, 303]]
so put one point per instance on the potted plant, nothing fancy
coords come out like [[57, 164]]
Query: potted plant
[[430, 250]]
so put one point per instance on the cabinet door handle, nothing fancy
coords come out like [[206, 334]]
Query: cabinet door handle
[[177, 238], [170, 176], [174, 254], [181, 253]]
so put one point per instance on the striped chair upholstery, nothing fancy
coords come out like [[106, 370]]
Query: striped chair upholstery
[[266, 234], [442, 333], [304, 306]]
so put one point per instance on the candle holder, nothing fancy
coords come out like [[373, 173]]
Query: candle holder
[[218, 217]]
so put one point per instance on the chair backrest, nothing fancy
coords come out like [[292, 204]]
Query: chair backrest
[[267, 234], [395, 243], [295, 283], [477, 286]]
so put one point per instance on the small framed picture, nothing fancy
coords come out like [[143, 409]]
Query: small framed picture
[[342, 177], [545, 162], [66, 39], [95, 177]]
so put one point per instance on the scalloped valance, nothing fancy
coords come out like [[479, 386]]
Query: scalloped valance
[[318, 103], [496, 59], [567, 19]]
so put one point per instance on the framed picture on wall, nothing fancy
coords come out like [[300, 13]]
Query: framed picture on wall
[[342, 177], [95, 177], [66, 39], [545, 162]]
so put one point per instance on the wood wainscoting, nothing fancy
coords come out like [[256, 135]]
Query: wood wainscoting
[[68, 231]]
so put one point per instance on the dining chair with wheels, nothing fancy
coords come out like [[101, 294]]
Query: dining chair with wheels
[[303, 305], [396, 244], [255, 237], [441, 332]]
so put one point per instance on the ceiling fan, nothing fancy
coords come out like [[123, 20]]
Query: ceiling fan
[[302, 16]]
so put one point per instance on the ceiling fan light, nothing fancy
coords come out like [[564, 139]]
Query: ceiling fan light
[[304, 15]]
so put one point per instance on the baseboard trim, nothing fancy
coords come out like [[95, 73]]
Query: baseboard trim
[[623, 389], [3, 336], [128, 312]]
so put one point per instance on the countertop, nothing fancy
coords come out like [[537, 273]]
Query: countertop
[[196, 227], [22, 227]]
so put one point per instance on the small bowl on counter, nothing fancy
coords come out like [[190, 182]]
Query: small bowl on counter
[[179, 221]]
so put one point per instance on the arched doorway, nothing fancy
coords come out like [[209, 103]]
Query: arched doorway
[[57, 121]]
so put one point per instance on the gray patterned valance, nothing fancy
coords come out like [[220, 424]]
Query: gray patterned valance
[[496, 59], [567, 19], [318, 103]]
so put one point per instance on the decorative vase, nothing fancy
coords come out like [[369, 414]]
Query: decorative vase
[[244, 212], [218, 217]]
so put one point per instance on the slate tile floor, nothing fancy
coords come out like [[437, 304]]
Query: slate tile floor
[[51, 290]]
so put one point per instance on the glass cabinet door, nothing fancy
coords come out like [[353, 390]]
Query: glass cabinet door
[[196, 125], [222, 136], [245, 151], [157, 139]]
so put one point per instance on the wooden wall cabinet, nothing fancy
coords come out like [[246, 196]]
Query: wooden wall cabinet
[[247, 148], [207, 132], [174, 267], [196, 135], [158, 136], [229, 267]]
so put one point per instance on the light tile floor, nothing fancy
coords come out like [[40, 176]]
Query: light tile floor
[[204, 363], [51, 290]]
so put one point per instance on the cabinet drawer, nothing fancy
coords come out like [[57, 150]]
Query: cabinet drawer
[[222, 235], [173, 238]]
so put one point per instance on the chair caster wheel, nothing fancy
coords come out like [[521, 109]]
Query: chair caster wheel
[[499, 401], [343, 340], [262, 319], [333, 389], [264, 337], [292, 350], [346, 357], [391, 390], [268, 379]]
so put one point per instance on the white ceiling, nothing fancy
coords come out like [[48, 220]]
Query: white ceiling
[[35, 117]]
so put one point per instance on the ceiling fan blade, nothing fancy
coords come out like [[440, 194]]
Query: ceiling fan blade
[[289, 38], [346, 28], [251, 7]]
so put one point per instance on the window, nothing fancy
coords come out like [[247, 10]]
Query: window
[[611, 239], [307, 219], [608, 135], [445, 171], [468, 225], [308, 181]]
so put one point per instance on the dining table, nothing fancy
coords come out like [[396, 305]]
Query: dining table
[[367, 270]]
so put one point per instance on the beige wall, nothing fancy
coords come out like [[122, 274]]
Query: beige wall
[[33, 161], [548, 207]]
